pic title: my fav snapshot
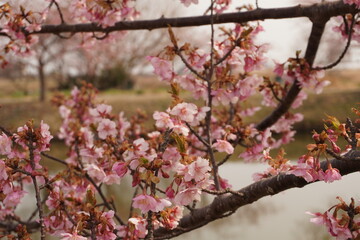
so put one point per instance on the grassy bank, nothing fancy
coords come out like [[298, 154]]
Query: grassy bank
[[337, 101]]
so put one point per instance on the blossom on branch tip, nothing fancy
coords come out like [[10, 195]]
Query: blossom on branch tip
[[187, 196], [101, 111], [163, 120], [106, 128], [331, 174], [162, 68], [185, 111], [148, 203], [5, 144], [72, 236], [223, 146], [356, 2], [197, 170]]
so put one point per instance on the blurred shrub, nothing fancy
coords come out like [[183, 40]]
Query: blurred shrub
[[114, 77]]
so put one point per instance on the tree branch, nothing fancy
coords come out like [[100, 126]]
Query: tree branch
[[325, 10], [310, 54], [225, 204]]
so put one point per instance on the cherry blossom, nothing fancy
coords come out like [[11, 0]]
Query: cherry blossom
[[223, 146], [162, 68], [148, 203], [5, 144], [72, 236], [185, 111], [187, 196], [106, 128], [331, 174], [356, 2], [163, 120], [197, 170]]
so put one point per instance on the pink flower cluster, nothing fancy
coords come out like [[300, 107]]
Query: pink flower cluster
[[309, 168], [341, 220], [356, 2], [104, 13]]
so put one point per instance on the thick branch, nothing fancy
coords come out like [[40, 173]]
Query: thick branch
[[310, 54], [325, 10], [223, 205]]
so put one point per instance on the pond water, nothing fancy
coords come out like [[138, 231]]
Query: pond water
[[277, 217]]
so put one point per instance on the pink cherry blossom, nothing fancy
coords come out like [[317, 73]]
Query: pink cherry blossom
[[356, 2], [95, 172], [148, 203], [249, 64], [279, 69], [163, 120], [90, 155], [197, 170], [5, 144], [223, 146], [106, 128], [64, 112], [332, 174], [140, 146], [123, 126], [101, 111], [185, 111], [187, 196], [299, 99], [120, 168], [13, 198], [181, 129], [140, 225], [3, 174], [111, 179], [162, 68], [72, 236]]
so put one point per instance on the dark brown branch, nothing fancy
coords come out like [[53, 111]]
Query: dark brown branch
[[342, 55], [54, 158], [311, 50], [325, 10], [225, 204]]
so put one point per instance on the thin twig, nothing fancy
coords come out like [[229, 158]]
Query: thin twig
[[54, 159], [353, 130], [342, 55], [209, 103], [226, 158], [188, 66], [59, 11], [36, 186], [229, 52], [198, 136], [98, 189]]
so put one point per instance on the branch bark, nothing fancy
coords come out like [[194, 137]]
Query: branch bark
[[310, 54], [324, 9], [223, 205]]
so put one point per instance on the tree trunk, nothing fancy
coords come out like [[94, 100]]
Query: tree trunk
[[41, 81]]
